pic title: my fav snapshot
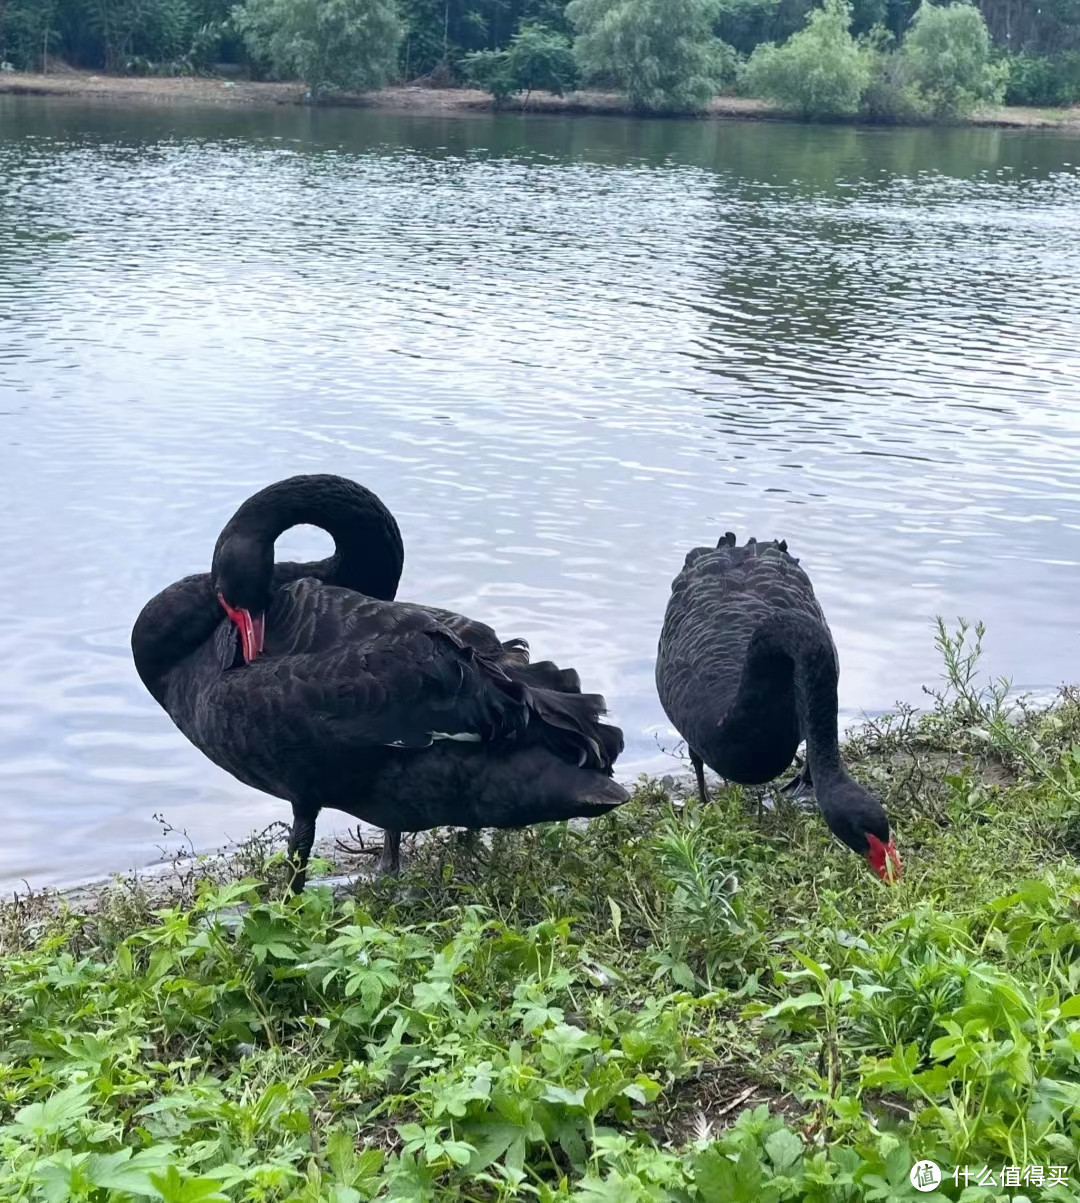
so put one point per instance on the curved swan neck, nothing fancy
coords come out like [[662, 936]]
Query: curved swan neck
[[367, 557], [806, 643], [818, 703], [170, 627], [368, 551]]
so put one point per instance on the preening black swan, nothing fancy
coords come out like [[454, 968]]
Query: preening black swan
[[747, 669], [306, 681]]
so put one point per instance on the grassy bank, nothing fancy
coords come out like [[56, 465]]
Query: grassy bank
[[152, 90], [677, 1003]]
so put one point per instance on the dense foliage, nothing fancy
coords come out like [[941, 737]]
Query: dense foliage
[[947, 58], [117, 35], [666, 55], [661, 53], [672, 1005], [326, 43], [943, 70], [819, 72], [537, 59], [1044, 79]]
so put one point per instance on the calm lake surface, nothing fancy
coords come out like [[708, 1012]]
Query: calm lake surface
[[563, 351]]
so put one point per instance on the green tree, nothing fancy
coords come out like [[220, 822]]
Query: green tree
[[1044, 78], [888, 95], [117, 35], [136, 35], [537, 59], [661, 53], [327, 43], [819, 72], [947, 58], [28, 32], [440, 33]]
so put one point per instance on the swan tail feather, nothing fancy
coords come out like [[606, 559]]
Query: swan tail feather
[[571, 726], [546, 675]]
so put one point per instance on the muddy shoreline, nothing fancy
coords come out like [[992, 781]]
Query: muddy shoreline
[[161, 880], [174, 875], [134, 91]]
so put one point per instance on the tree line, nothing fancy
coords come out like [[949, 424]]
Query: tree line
[[883, 59]]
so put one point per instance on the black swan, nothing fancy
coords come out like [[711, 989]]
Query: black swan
[[747, 669], [308, 682]]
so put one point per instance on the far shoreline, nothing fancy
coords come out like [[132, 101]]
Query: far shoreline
[[134, 91]]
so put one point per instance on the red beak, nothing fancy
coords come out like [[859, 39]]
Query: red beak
[[252, 629], [884, 859]]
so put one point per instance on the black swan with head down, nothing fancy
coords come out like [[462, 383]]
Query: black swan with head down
[[747, 669], [310, 683]]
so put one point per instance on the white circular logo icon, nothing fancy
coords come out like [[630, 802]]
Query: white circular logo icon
[[925, 1176]]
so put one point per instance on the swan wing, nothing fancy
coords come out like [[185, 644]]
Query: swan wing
[[342, 668]]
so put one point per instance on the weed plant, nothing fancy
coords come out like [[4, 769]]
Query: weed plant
[[674, 1003]]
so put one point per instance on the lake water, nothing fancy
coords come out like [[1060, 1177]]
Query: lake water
[[563, 351]]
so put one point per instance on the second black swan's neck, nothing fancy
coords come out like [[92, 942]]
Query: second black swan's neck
[[806, 643], [368, 551]]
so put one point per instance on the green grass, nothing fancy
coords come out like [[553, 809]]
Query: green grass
[[675, 1003]]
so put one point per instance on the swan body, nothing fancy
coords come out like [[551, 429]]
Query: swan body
[[310, 683], [747, 669]]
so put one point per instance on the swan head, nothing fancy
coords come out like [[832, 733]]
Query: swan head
[[241, 574], [883, 858], [855, 816]]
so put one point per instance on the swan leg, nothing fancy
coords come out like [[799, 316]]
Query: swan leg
[[390, 861], [301, 839], [699, 770], [802, 783]]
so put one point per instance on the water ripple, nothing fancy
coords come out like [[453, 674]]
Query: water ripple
[[564, 352]]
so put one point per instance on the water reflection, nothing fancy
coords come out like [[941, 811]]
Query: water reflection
[[562, 351]]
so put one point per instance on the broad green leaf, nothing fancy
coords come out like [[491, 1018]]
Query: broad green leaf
[[459, 1151], [616, 915], [176, 1188], [562, 1094], [56, 1113], [489, 1141], [898, 1165], [799, 1003], [123, 1172], [784, 1149], [683, 975], [721, 1180]]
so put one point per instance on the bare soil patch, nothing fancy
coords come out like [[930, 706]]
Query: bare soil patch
[[186, 90]]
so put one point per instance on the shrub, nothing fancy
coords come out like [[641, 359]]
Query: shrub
[[537, 59], [947, 53], [326, 43], [818, 72], [888, 95], [661, 53], [1044, 79], [490, 71], [27, 33], [158, 36]]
